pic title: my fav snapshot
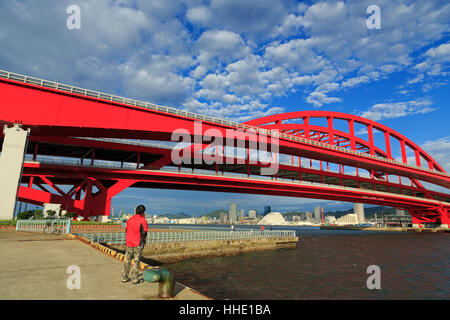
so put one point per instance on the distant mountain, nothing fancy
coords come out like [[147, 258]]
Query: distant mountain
[[369, 212], [216, 213], [180, 215]]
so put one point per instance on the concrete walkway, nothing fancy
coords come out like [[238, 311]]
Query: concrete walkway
[[34, 266]]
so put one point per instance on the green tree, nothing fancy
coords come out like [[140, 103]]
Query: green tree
[[70, 215], [24, 215], [38, 214], [51, 213]]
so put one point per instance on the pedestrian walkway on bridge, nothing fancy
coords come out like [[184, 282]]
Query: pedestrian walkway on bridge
[[35, 265]]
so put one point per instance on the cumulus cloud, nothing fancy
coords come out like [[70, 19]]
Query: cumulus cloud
[[440, 53], [440, 150], [224, 54], [382, 111], [318, 99], [200, 15]]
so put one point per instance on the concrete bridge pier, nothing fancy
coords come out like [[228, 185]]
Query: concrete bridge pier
[[358, 208], [11, 165]]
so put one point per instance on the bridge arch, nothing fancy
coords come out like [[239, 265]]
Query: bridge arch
[[328, 134]]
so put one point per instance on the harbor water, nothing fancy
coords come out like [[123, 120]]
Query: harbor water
[[328, 264]]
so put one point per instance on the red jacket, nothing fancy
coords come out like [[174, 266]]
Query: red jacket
[[136, 231]]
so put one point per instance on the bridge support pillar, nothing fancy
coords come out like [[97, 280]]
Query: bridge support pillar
[[11, 165], [416, 222], [445, 218], [359, 210]]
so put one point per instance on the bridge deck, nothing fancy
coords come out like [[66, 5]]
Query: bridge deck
[[34, 265]]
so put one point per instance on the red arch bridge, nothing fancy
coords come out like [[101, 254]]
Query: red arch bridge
[[82, 147]]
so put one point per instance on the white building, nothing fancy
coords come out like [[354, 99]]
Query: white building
[[252, 214], [351, 218], [330, 219], [273, 218], [186, 221]]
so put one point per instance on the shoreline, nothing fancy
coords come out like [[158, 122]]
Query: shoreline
[[389, 229], [172, 252]]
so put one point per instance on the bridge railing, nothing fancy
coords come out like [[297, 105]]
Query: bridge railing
[[187, 114], [111, 165], [44, 225], [166, 237]]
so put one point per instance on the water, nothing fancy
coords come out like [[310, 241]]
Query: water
[[328, 264]]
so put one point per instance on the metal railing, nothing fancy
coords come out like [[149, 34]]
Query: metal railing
[[56, 226], [129, 142], [165, 237], [191, 115], [198, 227], [231, 175]]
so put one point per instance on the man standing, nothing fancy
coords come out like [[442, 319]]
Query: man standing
[[136, 235]]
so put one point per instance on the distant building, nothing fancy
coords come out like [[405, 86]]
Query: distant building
[[162, 220], [232, 213], [223, 218], [273, 218], [317, 213], [185, 221], [330, 219], [252, 214], [308, 215], [267, 210], [241, 213], [296, 218], [351, 218]]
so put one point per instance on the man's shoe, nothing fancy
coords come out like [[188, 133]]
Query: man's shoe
[[136, 281], [125, 280]]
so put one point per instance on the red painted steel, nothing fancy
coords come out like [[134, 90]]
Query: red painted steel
[[56, 116]]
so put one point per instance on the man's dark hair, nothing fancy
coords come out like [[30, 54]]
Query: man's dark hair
[[140, 209]]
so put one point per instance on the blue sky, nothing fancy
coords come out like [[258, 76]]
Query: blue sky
[[246, 59]]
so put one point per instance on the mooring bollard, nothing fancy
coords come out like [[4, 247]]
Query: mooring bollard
[[165, 279]]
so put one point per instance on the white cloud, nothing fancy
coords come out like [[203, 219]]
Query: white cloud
[[433, 65], [156, 79], [352, 82], [398, 109], [319, 98], [253, 19], [200, 15], [417, 79], [290, 26], [440, 53], [218, 47], [440, 150], [168, 52]]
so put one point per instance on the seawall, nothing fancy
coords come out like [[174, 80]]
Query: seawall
[[177, 251]]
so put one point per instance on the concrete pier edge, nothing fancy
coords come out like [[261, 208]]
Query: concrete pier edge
[[121, 257]]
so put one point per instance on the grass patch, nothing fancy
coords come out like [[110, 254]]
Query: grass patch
[[8, 222]]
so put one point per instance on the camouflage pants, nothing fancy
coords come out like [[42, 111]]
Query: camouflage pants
[[135, 254]]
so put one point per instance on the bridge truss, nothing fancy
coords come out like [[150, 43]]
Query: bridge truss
[[85, 147]]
